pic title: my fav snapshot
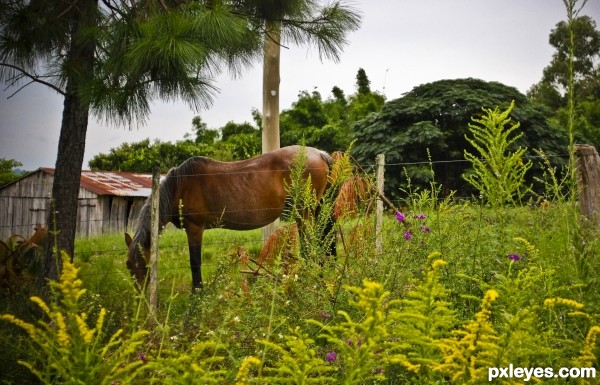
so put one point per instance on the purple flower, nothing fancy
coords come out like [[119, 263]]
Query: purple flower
[[420, 216], [378, 371], [514, 257], [331, 356], [399, 216], [407, 235], [142, 357], [425, 229], [349, 342], [324, 314]]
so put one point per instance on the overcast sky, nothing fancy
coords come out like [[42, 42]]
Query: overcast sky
[[401, 44]]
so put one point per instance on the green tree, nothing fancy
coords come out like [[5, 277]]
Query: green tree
[[434, 117], [586, 51], [112, 60], [243, 140], [327, 124], [362, 82], [7, 172], [553, 89], [202, 132], [143, 156]]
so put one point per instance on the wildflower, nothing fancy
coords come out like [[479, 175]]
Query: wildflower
[[142, 357], [324, 314], [331, 356], [247, 363], [236, 319], [349, 342], [514, 257], [420, 216], [425, 229], [551, 302], [407, 235], [399, 216]]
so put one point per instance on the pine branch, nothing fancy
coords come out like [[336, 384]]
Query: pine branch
[[34, 79]]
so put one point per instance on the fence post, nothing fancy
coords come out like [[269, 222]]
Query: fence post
[[154, 242], [380, 161], [588, 180]]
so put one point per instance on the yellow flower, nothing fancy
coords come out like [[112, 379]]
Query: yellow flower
[[587, 357], [69, 284], [100, 321], [29, 328], [490, 296], [551, 302], [40, 302], [84, 331], [62, 334], [240, 378]]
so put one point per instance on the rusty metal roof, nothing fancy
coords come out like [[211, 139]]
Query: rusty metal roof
[[118, 183]]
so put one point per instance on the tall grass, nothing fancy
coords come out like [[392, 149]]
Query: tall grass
[[457, 288]]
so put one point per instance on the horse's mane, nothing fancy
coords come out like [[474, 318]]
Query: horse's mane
[[168, 188]]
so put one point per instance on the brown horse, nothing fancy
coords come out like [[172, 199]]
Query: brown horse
[[241, 195]]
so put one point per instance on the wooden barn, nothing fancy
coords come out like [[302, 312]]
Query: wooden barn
[[109, 201]]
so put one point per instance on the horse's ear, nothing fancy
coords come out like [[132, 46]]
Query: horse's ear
[[128, 239]]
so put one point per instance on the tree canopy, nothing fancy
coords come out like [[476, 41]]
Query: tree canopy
[[434, 117], [111, 59], [552, 89], [7, 170], [325, 124]]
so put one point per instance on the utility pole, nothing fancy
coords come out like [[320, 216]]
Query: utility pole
[[270, 120]]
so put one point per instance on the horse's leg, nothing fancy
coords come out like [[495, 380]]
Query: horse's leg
[[194, 235]]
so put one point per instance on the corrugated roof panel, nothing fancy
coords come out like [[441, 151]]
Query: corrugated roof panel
[[118, 183]]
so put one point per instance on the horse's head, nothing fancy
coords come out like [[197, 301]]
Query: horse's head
[[137, 260]]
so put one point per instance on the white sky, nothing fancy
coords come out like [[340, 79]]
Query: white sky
[[401, 44]]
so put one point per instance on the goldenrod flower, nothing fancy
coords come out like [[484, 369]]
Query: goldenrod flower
[[490, 296], [62, 334], [587, 357], [70, 285], [29, 328], [40, 302], [240, 378], [551, 302]]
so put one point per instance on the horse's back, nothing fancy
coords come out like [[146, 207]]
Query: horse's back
[[248, 193]]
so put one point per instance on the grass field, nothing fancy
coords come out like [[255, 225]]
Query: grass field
[[516, 285]]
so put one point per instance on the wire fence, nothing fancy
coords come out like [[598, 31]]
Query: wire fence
[[41, 197], [176, 248]]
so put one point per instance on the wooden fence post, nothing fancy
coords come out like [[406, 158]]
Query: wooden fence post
[[588, 181], [153, 284], [380, 161]]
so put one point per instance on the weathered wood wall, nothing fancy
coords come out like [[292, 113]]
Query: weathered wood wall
[[26, 203]]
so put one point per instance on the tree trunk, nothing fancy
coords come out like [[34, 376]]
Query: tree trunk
[[71, 144], [270, 120]]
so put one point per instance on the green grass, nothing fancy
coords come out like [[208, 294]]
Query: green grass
[[474, 240]]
